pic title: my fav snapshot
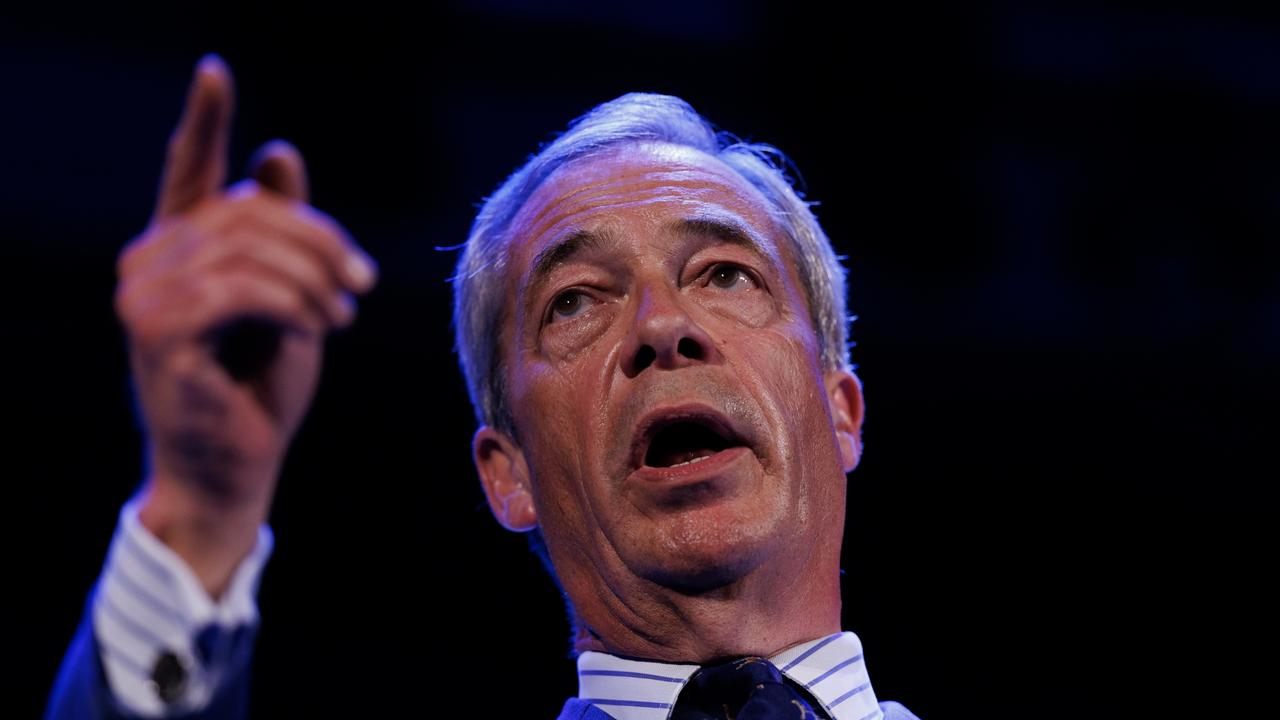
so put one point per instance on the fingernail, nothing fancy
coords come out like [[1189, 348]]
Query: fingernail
[[209, 61], [361, 270]]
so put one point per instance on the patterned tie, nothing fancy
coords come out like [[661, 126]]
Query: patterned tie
[[748, 688]]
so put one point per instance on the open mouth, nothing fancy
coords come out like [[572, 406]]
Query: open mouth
[[677, 441], [684, 442]]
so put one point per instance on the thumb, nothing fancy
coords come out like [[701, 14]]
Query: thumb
[[196, 163], [278, 166]]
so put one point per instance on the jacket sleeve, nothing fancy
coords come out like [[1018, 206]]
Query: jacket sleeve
[[151, 642]]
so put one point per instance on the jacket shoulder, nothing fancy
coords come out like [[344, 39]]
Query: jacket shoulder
[[575, 709]]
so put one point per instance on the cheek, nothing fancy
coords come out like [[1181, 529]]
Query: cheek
[[559, 415], [544, 417], [792, 391], [808, 456]]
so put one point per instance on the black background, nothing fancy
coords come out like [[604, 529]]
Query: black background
[[1061, 223]]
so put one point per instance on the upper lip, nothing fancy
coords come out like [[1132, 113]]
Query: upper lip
[[658, 418]]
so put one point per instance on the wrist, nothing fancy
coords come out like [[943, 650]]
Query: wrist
[[211, 535]]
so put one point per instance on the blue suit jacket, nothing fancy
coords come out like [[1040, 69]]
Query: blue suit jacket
[[81, 691]]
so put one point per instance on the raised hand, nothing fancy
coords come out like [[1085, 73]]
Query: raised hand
[[226, 299]]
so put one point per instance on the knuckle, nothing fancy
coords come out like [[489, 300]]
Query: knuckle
[[319, 220], [328, 232], [330, 247], [247, 289], [226, 248], [131, 254], [283, 261], [244, 193]]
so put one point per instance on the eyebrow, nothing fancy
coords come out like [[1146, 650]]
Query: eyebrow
[[726, 230], [579, 241], [566, 248]]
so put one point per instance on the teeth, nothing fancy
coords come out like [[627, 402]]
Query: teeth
[[700, 458]]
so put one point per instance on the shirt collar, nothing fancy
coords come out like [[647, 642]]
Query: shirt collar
[[831, 667]]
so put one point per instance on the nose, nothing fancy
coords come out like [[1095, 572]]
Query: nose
[[663, 334]]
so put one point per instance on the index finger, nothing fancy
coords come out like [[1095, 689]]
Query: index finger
[[196, 163]]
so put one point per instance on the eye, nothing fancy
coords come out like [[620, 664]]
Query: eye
[[568, 304], [729, 277]]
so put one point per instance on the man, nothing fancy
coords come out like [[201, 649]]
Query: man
[[652, 328]]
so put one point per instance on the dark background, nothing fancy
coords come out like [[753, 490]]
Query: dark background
[[1061, 222]]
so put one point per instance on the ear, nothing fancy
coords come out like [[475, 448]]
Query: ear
[[504, 474], [844, 396]]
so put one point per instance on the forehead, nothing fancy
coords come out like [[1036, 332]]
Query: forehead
[[636, 182]]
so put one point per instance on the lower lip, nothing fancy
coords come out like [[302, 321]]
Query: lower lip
[[693, 472]]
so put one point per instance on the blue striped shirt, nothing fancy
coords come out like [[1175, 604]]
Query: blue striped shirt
[[832, 668]]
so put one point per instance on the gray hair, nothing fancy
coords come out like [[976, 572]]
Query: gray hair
[[480, 289]]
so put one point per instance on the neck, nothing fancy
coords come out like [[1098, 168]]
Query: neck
[[754, 615]]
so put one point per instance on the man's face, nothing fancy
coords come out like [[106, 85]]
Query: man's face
[[675, 423]]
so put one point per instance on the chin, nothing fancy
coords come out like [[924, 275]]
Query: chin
[[699, 580], [698, 557]]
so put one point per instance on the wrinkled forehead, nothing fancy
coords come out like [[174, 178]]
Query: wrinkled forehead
[[585, 191]]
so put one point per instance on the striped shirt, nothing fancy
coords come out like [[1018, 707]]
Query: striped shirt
[[831, 668], [148, 604]]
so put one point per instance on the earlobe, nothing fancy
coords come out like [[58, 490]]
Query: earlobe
[[504, 475], [844, 394]]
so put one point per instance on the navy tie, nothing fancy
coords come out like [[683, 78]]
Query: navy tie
[[747, 688]]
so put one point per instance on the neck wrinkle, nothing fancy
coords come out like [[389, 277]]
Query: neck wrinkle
[[731, 634]]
